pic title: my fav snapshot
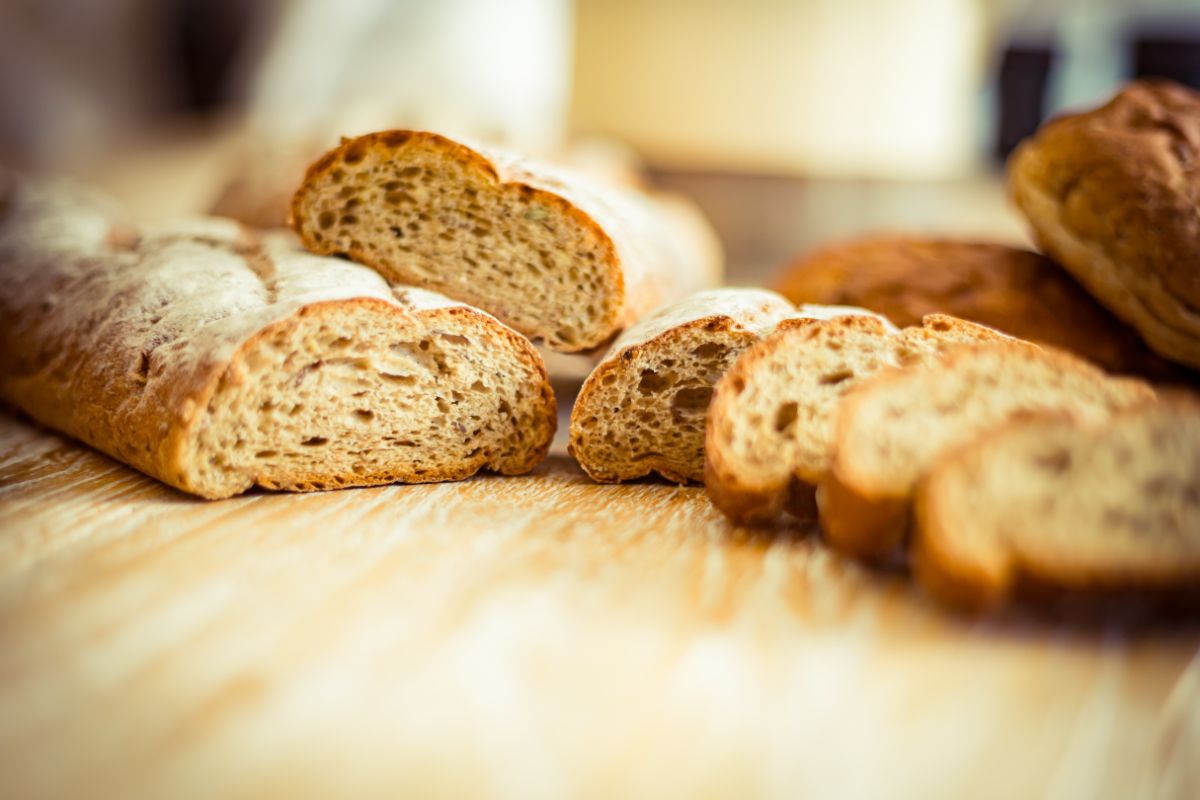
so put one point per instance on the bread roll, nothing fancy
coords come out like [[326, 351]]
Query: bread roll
[[1113, 195], [216, 361], [1008, 288], [557, 257]]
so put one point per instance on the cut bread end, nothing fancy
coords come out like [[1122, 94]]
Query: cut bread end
[[1051, 502], [892, 428], [424, 210], [357, 393]]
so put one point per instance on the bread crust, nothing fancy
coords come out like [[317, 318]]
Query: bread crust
[[741, 315], [654, 251], [84, 350], [1012, 289], [1113, 195]]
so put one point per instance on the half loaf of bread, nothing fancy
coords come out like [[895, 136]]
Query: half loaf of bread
[[1056, 502], [216, 361], [894, 427], [555, 255], [770, 425]]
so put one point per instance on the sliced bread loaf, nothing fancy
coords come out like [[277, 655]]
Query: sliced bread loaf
[[1061, 503], [556, 256], [215, 361], [643, 408], [770, 424], [892, 428]]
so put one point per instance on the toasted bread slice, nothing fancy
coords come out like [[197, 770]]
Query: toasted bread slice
[[1066, 504], [555, 255], [892, 428], [770, 426]]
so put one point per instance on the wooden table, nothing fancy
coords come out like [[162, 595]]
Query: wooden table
[[533, 637]]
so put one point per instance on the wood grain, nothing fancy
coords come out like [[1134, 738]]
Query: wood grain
[[528, 637]]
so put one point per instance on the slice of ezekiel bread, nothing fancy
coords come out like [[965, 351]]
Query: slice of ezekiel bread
[[555, 255], [770, 425], [894, 427], [1064, 504], [216, 361], [643, 408]]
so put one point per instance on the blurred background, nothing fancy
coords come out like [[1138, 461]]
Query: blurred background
[[791, 122]]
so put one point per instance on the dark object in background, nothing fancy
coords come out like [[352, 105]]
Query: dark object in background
[[209, 36], [1021, 94], [1173, 56]]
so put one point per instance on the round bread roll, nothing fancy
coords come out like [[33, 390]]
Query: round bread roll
[[1114, 196], [1014, 290]]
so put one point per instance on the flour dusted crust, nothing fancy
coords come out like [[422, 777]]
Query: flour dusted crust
[[1015, 290], [1114, 196], [215, 360], [769, 438], [556, 256], [1050, 501], [643, 408]]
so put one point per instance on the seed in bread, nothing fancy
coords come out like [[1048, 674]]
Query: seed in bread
[[893, 427], [1114, 196], [1012, 289], [1064, 504], [770, 425], [216, 361], [552, 254], [643, 408]]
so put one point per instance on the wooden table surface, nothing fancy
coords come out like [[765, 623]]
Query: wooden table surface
[[532, 637]]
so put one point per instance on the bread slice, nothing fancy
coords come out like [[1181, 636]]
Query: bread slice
[[1061, 503], [770, 425], [552, 254], [214, 360], [643, 408], [891, 429]]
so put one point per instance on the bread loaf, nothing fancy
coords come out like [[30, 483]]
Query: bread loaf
[[893, 427], [643, 408], [1113, 195], [1058, 503], [770, 424], [1017, 291], [214, 360], [552, 254]]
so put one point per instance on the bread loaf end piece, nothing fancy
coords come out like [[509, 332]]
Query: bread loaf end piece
[[552, 254]]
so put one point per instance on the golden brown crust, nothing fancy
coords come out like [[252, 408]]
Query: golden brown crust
[[1114, 196], [645, 263], [1008, 288], [123, 343], [853, 522]]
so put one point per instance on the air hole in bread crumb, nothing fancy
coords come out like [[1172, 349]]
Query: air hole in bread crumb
[[326, 218], [266, 454], [710, 350], [454, 338], [364, 414], [653, 382], [834, 378], [340, 342], [738, 386], [785, 416], [1056, 461], [691, 400], [315, 441]]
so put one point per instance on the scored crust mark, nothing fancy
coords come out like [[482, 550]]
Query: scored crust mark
[[1053, 502], [1114, 196], [770, 425], [553, 256], [643, 408], [215, 363], [893, 427]]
